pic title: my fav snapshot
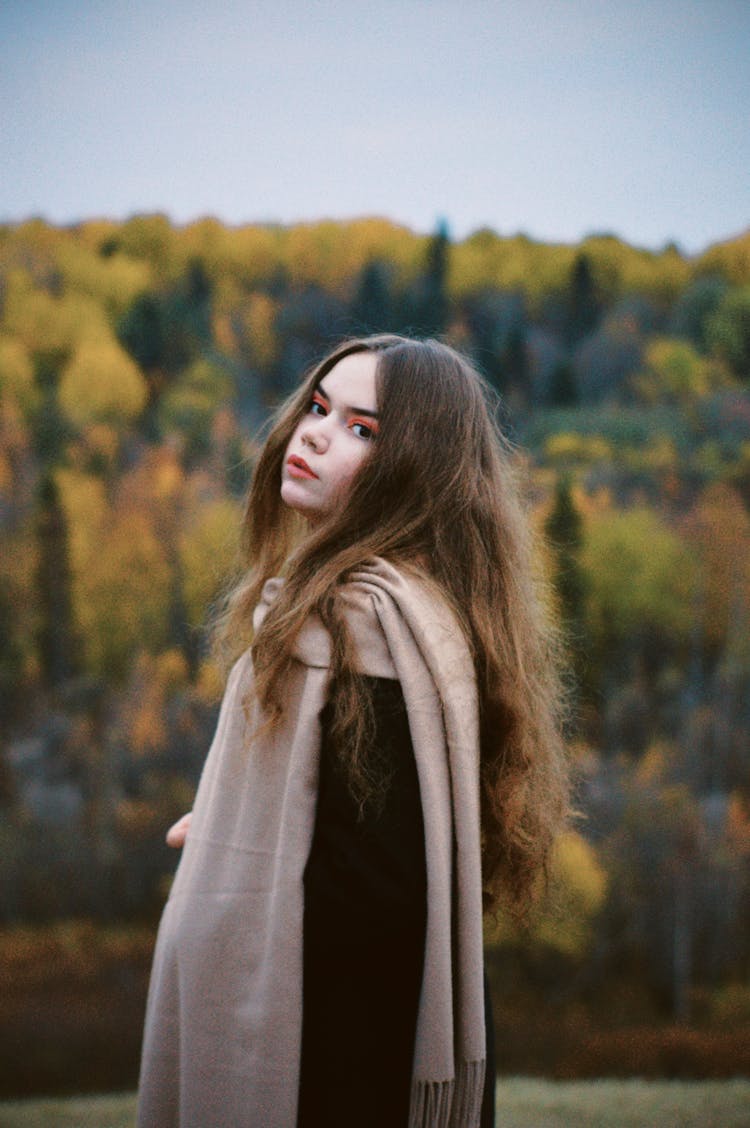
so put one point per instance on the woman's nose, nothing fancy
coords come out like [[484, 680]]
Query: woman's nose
[[314, 433]]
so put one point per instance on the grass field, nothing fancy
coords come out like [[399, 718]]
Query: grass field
[[521, 1103]]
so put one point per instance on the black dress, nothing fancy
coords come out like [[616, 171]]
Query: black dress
[[364, 931]]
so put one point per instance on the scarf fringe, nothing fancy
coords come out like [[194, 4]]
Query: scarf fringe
[[449, 1104]]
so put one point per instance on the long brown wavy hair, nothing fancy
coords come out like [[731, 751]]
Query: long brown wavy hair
[[438, 494]]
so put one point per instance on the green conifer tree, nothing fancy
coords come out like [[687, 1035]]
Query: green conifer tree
[[583, 301], [56, 636], [372, 307]]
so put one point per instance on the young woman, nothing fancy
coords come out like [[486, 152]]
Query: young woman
[[387, 765]]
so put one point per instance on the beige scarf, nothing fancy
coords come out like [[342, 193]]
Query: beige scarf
[[224, 1019]]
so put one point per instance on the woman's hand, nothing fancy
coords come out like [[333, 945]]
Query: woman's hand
[[177, 834]]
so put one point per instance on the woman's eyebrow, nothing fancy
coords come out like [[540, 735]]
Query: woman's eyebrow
[[349, 406]]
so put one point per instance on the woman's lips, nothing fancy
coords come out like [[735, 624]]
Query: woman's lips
[[298, 468]]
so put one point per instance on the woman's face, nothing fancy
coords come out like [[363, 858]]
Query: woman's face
[[332, 439]]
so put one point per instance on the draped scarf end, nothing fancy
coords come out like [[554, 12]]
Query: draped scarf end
[[449, 1104]]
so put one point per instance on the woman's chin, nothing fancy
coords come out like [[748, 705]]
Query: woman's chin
[[297, 499], [294, 495]]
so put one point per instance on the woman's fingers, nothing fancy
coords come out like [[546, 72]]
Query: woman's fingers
[[177, 834]]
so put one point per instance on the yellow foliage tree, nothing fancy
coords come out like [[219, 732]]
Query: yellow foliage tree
[[190, 404], [153, 239], [17, 374], [208, 548], [32, 246], [374, 238], [250, 254], [257, 319], [568, 449], [122, 580], [673, 372], [487, 260], [623, 269], [331, 254], [123, 594], [47, 324], [95, 233], [152, 679], [113, 281], [641, 575], [84, 501], [101, 383], [730, 259], [578, 889]]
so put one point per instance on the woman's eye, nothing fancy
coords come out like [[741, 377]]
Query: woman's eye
[[318, 408], [362, 430]]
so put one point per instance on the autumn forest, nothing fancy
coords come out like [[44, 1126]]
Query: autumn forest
[[138, 364]]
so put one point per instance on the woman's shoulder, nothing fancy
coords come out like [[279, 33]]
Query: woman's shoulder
[[362, 612], [406, 587], [405, 598]]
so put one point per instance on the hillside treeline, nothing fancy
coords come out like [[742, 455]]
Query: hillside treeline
[[138, 361]]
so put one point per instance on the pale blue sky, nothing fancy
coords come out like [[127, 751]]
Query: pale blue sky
[[552, 117]]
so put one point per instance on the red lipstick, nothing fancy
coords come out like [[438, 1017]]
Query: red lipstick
[[298, 468]]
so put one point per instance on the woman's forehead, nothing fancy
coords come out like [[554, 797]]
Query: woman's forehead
[[351, 381]]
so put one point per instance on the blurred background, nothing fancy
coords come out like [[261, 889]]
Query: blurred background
[[193, 208]]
